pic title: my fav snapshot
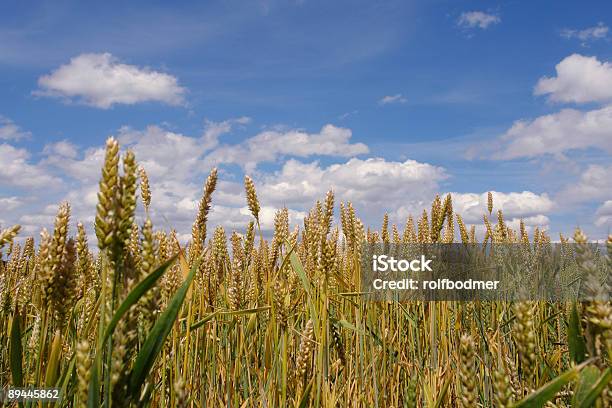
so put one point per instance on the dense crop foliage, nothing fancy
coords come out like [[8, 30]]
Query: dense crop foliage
[[239, 321]]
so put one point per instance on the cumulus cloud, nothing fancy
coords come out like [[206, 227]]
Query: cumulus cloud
[[591, 33], [579, 79], [62, 149], [177, 166], [101, 80], [389, 99], [10, 203], [555, 133], [10, 131], [480, 19], [525, 204], [604, 214], [270, 145], [16, 170], [595, 183], [372, 183]]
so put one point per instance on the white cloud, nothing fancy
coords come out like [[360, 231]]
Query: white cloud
[[604, 214], [176, 168], [101, 80], [591, 33], [554, 134], [579, 79], [374, 185], [540, 221], [15, 170], [10, 203], [10, 131], [514, 205], [397, 98], [595, 183], [269, 145], [61, 150], [472, 19]]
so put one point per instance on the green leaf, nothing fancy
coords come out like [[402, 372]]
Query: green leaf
[[16, 351], [597, 388], [202, 322], [156, 338], [575, 340], [349, 326], [93, 396], [299, 269], [587, 378], [211, 316], [136, 293], [548, 391], [306, 395], [67, 376]]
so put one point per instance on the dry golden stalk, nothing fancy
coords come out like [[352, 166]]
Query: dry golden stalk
[[462, 230], [219, 253], [490, 202], [251, 194], [134, 245], [149, 303], [145, 189], [7, 235], [503, 388], [385, 229], [449, 231], [126, 203], [109, 183], [436, 212], [249, 242], [445, 213], [58, 270], [204, 208], [409, 235], [234, 291], [85, 270], [424, 234], [119, 353], [467, 373], [280, 296], [305, 349], [83, 369], [396, 236], [501, 225], [489, 230], [525, 338], [328, 215]]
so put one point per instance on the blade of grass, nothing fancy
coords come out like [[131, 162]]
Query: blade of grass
[[136, 293], [575, 340], [597, 388], [547, 392], [156, 338], [16, 351], [588, 377]]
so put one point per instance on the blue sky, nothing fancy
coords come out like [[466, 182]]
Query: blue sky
[[423, 95]]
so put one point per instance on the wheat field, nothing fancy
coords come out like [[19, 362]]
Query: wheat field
[[236, 320]]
